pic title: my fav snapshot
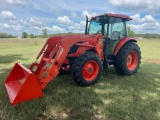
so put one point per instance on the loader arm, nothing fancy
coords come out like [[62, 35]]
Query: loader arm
[[51, 64]]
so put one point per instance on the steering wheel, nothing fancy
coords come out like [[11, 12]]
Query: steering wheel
[[99, 32]]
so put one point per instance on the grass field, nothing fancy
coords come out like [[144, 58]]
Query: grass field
[[114, 97]]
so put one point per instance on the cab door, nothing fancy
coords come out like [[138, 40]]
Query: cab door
[[116, 30]]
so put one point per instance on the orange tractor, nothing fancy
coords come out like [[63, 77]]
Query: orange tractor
[[104, 43]]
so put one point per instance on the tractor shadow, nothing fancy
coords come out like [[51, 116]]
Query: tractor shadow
[[113, 97], [10, 58], [5, 68], [6, 64]]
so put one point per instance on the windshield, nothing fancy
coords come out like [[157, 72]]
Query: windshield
[[107, 26], [97, 25], [94, 27]]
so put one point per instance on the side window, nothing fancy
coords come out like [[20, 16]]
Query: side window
[[110, 29], [117, 28], [105, 29]]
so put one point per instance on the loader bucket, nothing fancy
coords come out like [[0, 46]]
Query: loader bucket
[[22, 85]]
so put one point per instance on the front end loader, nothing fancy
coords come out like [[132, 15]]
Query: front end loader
[[24, 84], [104, 43]]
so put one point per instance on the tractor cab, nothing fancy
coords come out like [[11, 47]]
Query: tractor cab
[[112, 27]]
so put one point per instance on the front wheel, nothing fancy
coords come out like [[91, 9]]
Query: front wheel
[[87, 69], [128, 59]]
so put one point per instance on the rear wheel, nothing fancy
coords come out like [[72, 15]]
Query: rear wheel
[[128, 59], [87, 69]]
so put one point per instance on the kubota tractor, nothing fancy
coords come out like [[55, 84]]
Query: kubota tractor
[[104, 43]]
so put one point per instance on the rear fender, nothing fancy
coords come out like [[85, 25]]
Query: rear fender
[[121, 43]]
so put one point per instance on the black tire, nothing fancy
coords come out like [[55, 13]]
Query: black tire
[[65, 69], [128, 59], [87, 69]]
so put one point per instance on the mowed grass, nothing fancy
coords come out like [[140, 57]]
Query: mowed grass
[[114, 97]]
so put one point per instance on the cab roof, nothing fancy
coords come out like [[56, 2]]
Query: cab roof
[[115, 15]]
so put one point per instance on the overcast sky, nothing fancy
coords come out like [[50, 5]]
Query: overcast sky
[[58, 16]]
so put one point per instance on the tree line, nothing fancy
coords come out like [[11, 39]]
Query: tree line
[[145, 35], [46, 35], [148, 35], [5, 35]]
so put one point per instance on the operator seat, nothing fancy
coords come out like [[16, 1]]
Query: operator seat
[[115, 35]]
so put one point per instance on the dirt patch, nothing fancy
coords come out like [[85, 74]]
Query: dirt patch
[[152, 61]]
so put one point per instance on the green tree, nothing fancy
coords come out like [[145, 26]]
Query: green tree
[[130, 32], [24, 35], [31, 36], [6, 35], [44, 33], [147, 35]]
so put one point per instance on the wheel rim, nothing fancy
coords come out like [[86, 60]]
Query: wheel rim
[[90, 70], [132, 60], [66, 67]]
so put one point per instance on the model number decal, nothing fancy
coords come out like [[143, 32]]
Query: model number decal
[[84, 36], [60, 53]]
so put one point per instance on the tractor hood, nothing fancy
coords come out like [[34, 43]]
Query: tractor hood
[[72, 38]]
